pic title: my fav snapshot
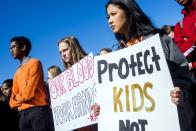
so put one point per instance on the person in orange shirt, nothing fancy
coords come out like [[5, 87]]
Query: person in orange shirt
[[28, 91]]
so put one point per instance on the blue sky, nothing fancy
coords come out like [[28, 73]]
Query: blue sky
[[44, 22]]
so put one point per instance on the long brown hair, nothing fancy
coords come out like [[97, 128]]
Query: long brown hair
[[77, 52]]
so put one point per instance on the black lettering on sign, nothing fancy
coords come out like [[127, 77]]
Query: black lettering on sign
[[133, 126], [143, 62]]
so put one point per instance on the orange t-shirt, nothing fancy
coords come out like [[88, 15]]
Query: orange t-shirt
[[28, 86]]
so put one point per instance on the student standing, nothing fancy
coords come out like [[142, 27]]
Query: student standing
[[71, 52], [185, 39], [53, 71], [8, 115], [28, 92], [130, 26]]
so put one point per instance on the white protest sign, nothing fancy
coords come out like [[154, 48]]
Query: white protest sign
[[72, 94], [133, 89]]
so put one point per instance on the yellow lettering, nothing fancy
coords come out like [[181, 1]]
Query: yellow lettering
[[138, 93], [127, 98], [149, 85], [116, 99], [134, 87]]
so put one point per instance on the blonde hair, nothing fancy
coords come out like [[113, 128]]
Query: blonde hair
[[77, 52], [54, 70]]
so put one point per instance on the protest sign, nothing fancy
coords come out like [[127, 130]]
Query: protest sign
[[72, 94], [133, 89]]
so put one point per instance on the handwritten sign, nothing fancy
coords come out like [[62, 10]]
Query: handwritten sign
[[72, 94], [133, 89]]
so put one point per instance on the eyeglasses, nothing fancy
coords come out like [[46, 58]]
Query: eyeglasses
[[14, 47]]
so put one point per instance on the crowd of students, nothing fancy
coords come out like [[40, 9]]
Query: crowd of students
[[25, 99]]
